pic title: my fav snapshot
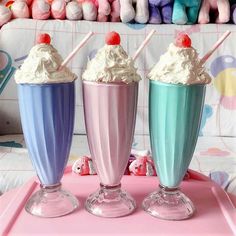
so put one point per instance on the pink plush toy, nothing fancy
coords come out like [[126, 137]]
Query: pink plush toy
[[5, 15], [84, 166], [89, 9], [142, 166], [108, 10], [40, 10], [20, 9], [74, 11], [219, 8], [28, 2], [58, 9]]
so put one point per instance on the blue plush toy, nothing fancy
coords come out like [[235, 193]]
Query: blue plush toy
[[160, 11], [185, 11]]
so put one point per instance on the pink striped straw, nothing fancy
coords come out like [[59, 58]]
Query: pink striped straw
[[144, 43], [76, 49], [215, 46]]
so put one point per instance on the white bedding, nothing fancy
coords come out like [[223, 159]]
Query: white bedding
[[214, 157]]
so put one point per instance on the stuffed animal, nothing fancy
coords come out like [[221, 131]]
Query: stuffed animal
[[138, 13], [5, 15], [160, 11], [40, 10], [219, 10], [185, 11], [28, 2], [142, 166], [84, 166], [89, 9], [108, 9], [81, 9], [74, 11], [58, 9], [131, 159], [20, 9], [233, 11]]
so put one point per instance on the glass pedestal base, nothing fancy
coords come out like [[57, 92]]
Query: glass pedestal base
[[110, 201], [169, 204], [51, 201]]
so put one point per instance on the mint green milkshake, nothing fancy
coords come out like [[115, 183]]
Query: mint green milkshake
[[174, 120], [176, 99]]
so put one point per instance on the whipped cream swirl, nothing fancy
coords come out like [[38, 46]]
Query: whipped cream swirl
[[180, 66], [111, 64], [41, 67]]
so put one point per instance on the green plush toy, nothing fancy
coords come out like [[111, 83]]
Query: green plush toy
[[185, 11]]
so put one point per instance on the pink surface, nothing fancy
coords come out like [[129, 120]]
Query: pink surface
[[215, 213]]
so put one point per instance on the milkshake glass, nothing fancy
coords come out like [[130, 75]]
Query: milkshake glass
[[110, 106], [110, 114], [175, 112], [47, 115]]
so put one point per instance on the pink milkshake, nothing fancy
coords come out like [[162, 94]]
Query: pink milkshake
[[110, 92], [110, 134]]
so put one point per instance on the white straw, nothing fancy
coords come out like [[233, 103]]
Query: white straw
[[215, 46], [144, 43], [80, 45]]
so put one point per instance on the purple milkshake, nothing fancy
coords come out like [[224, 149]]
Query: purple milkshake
[[47, 107], [47, 117]]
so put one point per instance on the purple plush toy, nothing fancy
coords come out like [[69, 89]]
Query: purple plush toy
[[233, 10], [160, 11]]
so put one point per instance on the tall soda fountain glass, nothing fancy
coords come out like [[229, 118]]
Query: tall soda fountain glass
[[176, 99], [47, 107], [110, 92]]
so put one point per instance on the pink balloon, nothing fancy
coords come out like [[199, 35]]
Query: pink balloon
[[228, 102]]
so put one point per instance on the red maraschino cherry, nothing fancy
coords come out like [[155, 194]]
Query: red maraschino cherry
[[112, 38], [44, 38], [183, 41]]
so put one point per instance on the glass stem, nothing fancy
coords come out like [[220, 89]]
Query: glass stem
[[110, 187], [167, 189], [50, 188]]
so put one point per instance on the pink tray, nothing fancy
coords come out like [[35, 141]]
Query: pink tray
[[215, 215]]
